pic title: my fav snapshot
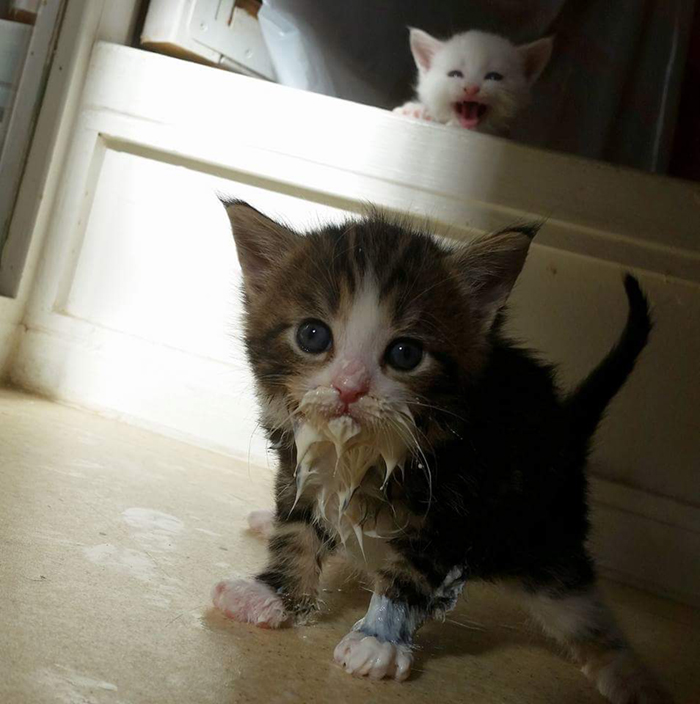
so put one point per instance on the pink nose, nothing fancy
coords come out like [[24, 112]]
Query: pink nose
[[471, 91], [351, 381]]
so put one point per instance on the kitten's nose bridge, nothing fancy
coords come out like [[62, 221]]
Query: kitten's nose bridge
[[351, 380]]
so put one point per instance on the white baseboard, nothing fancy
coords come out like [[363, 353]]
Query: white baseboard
[[641, 539], [199, 400]]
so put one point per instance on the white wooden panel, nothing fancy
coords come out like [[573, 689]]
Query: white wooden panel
[[150, 266], [146, 212], [158, 262]]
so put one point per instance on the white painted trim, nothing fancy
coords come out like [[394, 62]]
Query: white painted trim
[[591, 207], [42, 171], [84, 21], [205, 402]]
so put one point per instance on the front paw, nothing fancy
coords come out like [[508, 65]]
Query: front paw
[[365, 656], [249, 601], [415, 110]]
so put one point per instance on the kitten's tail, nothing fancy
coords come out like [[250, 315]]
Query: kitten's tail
[[587, 403]]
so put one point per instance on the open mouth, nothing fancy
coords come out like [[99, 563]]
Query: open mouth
[[470, 113]]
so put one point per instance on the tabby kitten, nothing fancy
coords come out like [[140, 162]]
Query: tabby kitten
[[415, 438]]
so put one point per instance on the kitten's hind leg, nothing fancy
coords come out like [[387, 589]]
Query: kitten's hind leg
[[580, 620], [287, 589]]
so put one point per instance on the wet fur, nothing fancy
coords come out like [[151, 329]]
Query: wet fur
[[506, 495]]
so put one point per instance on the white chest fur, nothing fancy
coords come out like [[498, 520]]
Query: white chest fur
[[346, 473]]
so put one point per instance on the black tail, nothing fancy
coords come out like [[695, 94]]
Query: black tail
[[587, 403]]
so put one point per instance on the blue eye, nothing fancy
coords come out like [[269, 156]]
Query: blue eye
[[314, 337], [455, 74], [493, 76], [404, 354]]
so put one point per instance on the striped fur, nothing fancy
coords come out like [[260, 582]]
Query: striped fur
[[484, 475]]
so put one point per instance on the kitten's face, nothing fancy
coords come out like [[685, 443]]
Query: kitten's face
[[476, 80], [368, 321]]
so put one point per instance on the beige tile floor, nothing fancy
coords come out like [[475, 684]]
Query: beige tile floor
[[110, 540]]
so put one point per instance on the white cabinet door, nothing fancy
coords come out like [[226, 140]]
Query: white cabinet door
[[135, 306]]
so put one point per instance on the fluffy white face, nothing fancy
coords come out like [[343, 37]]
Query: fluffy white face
[[476, 80]]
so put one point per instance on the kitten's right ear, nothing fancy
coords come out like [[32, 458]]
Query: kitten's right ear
[[261, 243], [423, 47], [489, 267], [536, 56]]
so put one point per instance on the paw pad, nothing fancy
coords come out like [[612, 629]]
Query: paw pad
[[261, 522], [249, 601], [365, 656]]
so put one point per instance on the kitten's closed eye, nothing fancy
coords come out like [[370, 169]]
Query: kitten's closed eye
[[404, 355], [455, 74], [314, 336], [493, 76]]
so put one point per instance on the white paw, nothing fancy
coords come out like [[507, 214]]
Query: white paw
[[262, 522], [365, 656], [625, 681], [249, 601], [415, 110]]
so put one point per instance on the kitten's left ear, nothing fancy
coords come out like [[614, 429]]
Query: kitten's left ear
[[423, 48], [489, 267], [262, 244], [536, 56]]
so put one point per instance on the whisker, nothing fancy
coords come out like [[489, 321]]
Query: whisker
[[403, 426], [437, 408]]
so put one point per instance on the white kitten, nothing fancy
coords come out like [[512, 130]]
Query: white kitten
[[474, 80]]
